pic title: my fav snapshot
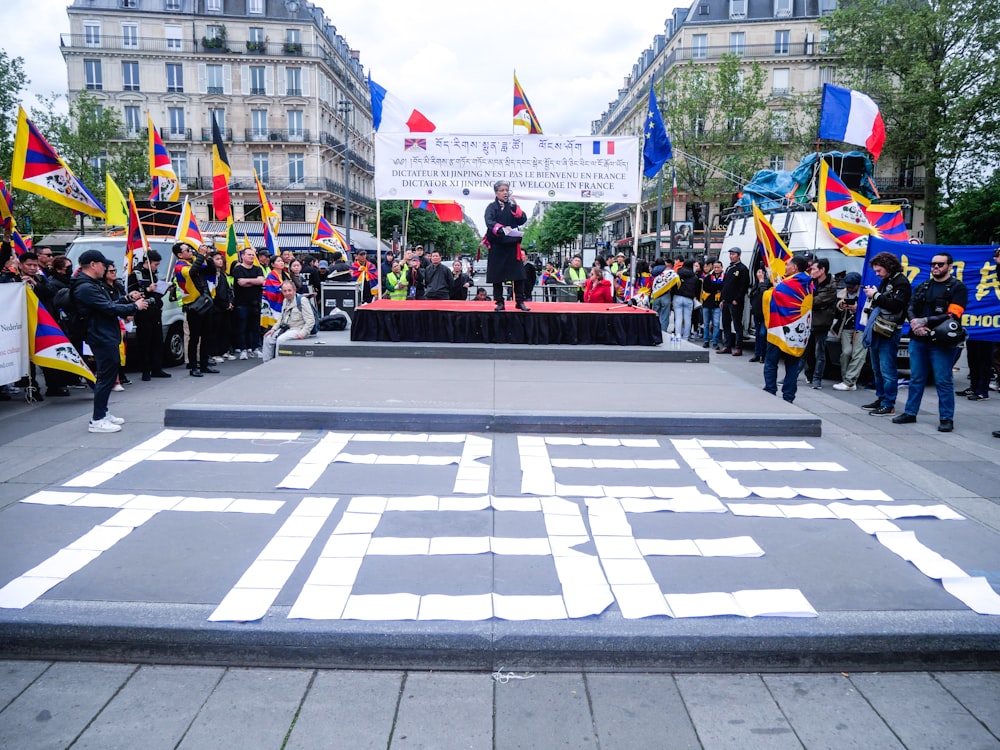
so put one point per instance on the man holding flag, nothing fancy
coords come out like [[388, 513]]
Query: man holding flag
[[788, 317]]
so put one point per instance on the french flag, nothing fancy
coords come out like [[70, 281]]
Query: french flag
[[604, 147], [392, 115], [851, 117]]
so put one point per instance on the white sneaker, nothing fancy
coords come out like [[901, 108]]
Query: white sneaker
[[243, 354], [118, 388], [256, 353], [216, 360], [229, 356], [103, 425], [844, 387], [113, 419]]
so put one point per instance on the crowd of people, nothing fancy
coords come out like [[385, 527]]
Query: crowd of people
[[247, 310]]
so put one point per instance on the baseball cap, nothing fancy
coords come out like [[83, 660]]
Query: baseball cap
[[852, 279], [93, 256], [324, 264]]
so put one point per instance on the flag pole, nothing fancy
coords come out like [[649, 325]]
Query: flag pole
[[378, 241]]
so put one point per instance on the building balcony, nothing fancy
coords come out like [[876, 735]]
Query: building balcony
[[130, 44], [175, 134], [227, 135], [260, 135]]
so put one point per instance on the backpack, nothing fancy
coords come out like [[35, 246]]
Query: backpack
[[315, 327], [71, 319]]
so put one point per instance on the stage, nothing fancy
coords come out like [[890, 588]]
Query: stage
[[443, 321]]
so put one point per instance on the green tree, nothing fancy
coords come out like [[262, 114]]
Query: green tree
[[932, 67], [563, 222], [422, 227], [12, 81], [973, 216], [724, 125]]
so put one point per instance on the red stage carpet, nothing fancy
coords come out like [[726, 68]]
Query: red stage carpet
[[477, 322]]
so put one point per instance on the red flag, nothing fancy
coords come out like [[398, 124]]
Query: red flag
[[221, 174], [135, 237]]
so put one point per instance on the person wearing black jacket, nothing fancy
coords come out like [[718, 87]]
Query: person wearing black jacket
[[222, 313], [437, 279], [92, 298], [505, 261], [760, 285], [149, 322], [940, 299], [735, 285], [889, 301], [684, 299], [461, 282]]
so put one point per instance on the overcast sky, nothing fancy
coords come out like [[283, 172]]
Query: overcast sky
[[454, 61]]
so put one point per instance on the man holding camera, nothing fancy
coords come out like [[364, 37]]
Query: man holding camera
[[852, 350], [935, 303], [191, 275], [92, 298]]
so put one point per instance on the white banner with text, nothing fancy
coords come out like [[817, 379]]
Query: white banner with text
[[13, 333], [582, 169]]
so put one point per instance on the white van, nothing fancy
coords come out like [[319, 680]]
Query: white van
[[113, 248]]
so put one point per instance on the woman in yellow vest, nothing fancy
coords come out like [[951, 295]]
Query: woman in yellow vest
[[397, 282]]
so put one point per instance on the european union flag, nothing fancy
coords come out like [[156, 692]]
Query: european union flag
[[657, 148]]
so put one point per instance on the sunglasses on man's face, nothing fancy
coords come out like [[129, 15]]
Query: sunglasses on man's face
[[938, 264]]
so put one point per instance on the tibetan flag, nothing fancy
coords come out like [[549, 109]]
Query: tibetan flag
[[19, 243], [267, 213], [117, 213], [188, 230], [271, 309], [851, 117], [221, 174], [270, 241], [392, 115], [136, 245], [604, 148], [887, 222], [444, 210], [166, 186], [326, 236], [38, 169], [841, 214], [48, 345], [7, 207], [524, 114], [656, 149], [772, 248], [232, 247], [788, 313]]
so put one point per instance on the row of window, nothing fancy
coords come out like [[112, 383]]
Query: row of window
[[253, 7], [261, 162], [215, 78], [782, 8], [737, 43], [172, 33], [135, 121]]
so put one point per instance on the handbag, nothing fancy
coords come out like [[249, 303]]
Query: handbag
[[202, 305], [884, 327]]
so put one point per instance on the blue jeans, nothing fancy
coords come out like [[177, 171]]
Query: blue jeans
[[760, 339], [924, 360], [882, 352], [789, 385], [682, 316], [711, 321], [661, 306]]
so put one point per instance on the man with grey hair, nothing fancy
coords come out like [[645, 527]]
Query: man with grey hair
[[506, 260]]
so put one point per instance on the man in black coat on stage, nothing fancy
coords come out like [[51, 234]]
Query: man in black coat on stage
[[506, 261]]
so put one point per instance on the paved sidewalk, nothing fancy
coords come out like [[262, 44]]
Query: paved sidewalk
[[68, 705], [129, 705]]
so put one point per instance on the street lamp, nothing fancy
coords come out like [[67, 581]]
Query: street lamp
[[345, 107]]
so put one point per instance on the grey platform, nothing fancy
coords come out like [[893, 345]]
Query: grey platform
[[457, 387]]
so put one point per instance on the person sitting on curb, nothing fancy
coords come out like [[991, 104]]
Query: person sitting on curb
[[296, 322]]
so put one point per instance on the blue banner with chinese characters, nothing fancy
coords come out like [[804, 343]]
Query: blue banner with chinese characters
[[974, 265]]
